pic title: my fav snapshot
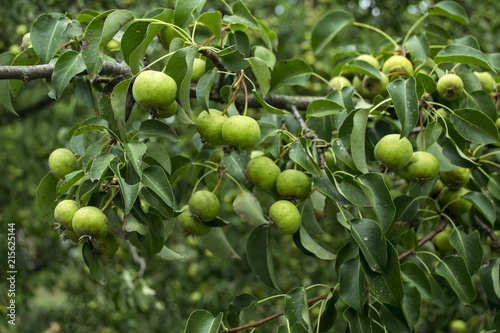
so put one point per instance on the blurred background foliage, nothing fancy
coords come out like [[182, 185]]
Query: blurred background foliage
[[54, 291]]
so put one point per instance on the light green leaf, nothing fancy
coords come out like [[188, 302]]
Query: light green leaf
[[213, 21], [450, 9], [404, 97], [100, 164], [308, 245], [418, 45], [46, 35], [293, 72], [169, 255], [67, 66], [46, 194], [118, 103], [328, 27], [267, 107], [323, 107], [135, 150], [204, 87], [261, 72], [247, 206], [242, 15], [151, 128], [91, 124], [368, 235], [474, 125], [454, 270], [358, 139], [201, 321], [362, 67], [216, 242], [465, 55], [236, 164]]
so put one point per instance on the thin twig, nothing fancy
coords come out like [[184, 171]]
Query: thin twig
[[440, 227], [491, 233]]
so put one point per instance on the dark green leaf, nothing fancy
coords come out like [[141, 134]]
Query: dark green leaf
[[323, 108], [475, 126], [247, 206], [25, 58], [237, 306], [118, 103], [100, 164], [362, 67], [236, 164], [216, 242], [135, 150], [329, 313], [483, 204], [242, 15], [159, 152], [69, 181], [259, 255], [201, 321], [151, 128], [393, 319], [450, 9], [293, 72], [132, 38], [425, 84], [307, 244], [358, 139], [66, 67], [357, 322], [136, 56], [129, 192], [204, 87], [368, 236], [404, 97], [412, 304], [487, 273], [464, 55], [267, 107], [155, 178], [97, 271], [481, 100], [454, 270], [352, 284], [46, 35], [233, 60], [91, 124], [299, 153], [469, 247], [153, 241], [328, 27], [46, 194]]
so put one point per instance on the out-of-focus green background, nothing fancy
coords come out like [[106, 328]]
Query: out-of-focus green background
[[54, 292]]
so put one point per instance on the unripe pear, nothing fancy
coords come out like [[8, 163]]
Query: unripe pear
[[64, 212], [394, 153], [442, 241], [357, 83], [369, 59], [107, 245], [455, 179], [285, 216], [154, 90], [26, 41], [457, 204], [458, 326], [372, 87], [90, 221], [487, 81], [62, 161], [338, 82], [71, 235], [168, 111], [422, 168], [242, 132], [205, 205], [192, 225], [450, 86], [198, 69], [396, 63], [262, 172], [209, 125], [293, 183]]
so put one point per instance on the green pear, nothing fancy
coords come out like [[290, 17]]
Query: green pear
[[209, 125], [293, 183], [242, 132], [455, 179], [64, 212], [205, 205], [396, 63], [90, 221], [262, 172], [62, 161], [285, 216], [393, 152], [450, 86], [154, 90], [422, 168], [191, 224]]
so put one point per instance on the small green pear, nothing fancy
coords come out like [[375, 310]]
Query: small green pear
[[450, 86], [242, 132], [422, 168], [487, 81], [372, 87], [393, 152], [192, 225], [262, 172], [90, 221], [396, 63], [107, 245], [454, 201], [293, 183], [154, 90], [209, 125], [168, 111], [285, 216], [369, 59], [198, 69], [455, 179], [205, 205], [64, 212], [338, 82], [62, 161]]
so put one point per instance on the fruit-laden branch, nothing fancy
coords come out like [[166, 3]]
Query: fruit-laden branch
[[440, 227], [28, 73]]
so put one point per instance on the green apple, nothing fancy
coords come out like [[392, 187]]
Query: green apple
[[372, 87], [338, 82], [369, 59], [454, 201], [262, 172], [396, 63], [154, 90], [242, 132], [62, 161], [455, 179], [487, 81], [64, 212], [209, 125], [90, 221], [192, 225], [205, 205], [168, 111], [450, 86], [422, 168], [293, 183], [393, 152], [285, 216], [198, 69]]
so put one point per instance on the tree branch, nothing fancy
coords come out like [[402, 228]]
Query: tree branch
[[491, 233], [440, 227]]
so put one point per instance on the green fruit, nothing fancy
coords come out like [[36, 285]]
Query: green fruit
[[14, 48], [442, 241], [285, 216], [357, 83], [422, 168], [168, 111], [293, 183], [113, 45], [107, 245], [450, 86], [438, 186], [262, 172], [338, 82], [443, 112], [455, 179], [64, 212], [191, 225], [394, 153], [209, 125], [21, 29], [497, 123], [167, 34], [242, 132], [68, 234], [62, 161], [329, 159], [369, 59], [198, 69], [458, 326], [372, 87], [487, 81], [90, 221], [26, 41], [154, 90], [454, 202], [396, 63], [205, 205]]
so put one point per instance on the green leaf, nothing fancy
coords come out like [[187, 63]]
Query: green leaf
[[406, 208], [328, 186], [136, 56], [5, 97], [494, 184], [119, 103], [259, 255], [454, 270], [450, 9], [296, 308], [46, 35], [352, 284], [299, 153], [425, 84], [184, 89], [98, 34], [481, 100], [67, 66], [387, 286], [153, 241], [261, 72], [91, 259], [201, 321], [242, 15], [204, 87], [368, 236], [405, 100], [236, 164], [487, 275], [329, 312], [358, 139], [213, 21], [293, 72], [393, 319], [232, 59], [216, 242], [152, 128], [169, 255], [357, 321], [158, 151], [323, 107], [100, 164], [46, 194], [266, 55], [267, 107], [475, 126], [247, 206], [362, 67], [91, 124], [237, 308], [135, 150], [328, 27], [418, 45], [469, 247], [412, 304], [92, 151], [483, 204], [132, 38], [129, 192], [69, 181], [375, 189], [154, 177], [465, 55], [308, 245]]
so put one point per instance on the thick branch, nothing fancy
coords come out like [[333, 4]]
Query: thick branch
[[28, 73]]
